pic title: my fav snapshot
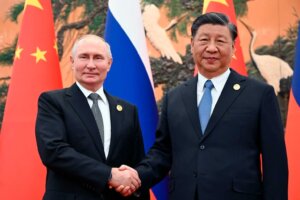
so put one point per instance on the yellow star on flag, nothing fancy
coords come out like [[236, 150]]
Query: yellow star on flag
[[18, 52], [206, 3], [34, 3], [39, 55]]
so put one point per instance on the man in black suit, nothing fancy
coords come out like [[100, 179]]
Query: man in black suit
[[215, 128], [83, 133]]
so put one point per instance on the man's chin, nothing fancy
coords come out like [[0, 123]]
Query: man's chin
[[91, 82]]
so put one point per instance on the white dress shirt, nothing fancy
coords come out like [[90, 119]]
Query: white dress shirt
[[104, 108], [219, 83]]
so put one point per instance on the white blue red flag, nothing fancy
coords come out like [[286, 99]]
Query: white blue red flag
[[292, 135], [130, 76]]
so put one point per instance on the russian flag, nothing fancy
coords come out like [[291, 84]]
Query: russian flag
[[292, 135], [130, 76]]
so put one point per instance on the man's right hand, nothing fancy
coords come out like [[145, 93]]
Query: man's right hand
[[124, 180]]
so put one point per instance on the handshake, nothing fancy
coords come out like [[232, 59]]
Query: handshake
[[124, 180]]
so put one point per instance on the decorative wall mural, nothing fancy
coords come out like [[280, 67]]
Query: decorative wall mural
[[268, 49]]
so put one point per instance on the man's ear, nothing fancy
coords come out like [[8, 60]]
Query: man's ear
[[72, 62], [71, 59], [192, 44], [109, 63], [233, 49]]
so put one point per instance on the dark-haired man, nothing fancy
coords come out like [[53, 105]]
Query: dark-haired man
[[215, 127]]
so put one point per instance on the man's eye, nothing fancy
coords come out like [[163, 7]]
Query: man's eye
[[98, 57], [83, 57], [203, 39]]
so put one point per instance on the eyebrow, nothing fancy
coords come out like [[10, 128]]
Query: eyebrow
[[96, 54], [218, 35]]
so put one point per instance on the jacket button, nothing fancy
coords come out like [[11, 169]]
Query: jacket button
[[202, 147]]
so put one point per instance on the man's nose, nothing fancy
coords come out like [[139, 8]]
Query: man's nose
[[91, 63], [211, 47]]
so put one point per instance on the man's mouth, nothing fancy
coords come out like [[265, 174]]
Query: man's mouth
[[211, 59]]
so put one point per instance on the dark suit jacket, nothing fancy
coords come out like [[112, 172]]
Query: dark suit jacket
[[70, 147], [224, 163]]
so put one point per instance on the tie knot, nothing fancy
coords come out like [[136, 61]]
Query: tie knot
[[94, 96], [208, 84]]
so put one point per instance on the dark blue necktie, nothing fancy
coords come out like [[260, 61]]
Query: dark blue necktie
[[205, 105]]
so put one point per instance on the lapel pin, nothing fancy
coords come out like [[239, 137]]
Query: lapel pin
[[119, 108], [236, 86]]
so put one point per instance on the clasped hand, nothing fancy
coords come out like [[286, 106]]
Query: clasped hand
[[124, 180]]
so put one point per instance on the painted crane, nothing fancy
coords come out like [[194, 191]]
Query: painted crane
[[272, 68], [158, 35]]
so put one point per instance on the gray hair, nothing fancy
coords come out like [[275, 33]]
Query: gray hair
[[75, 46]]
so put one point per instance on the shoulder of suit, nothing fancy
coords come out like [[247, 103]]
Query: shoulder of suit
[[55, 92], [184, 85], [52, 96], [256, 82], [251, 81]]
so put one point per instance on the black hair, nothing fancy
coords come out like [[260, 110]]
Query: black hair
[[214, 18]]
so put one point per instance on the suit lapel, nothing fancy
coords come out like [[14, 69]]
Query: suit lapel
[[82, 108], [226, 99], [116, 119], [189, 95]]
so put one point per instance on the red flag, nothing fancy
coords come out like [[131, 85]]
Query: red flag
[[227, 7], [292, 135], [35, 69]]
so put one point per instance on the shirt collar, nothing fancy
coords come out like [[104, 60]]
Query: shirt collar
[[218, 81], [87, 92]]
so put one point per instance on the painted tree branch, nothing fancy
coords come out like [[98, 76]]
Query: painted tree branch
[[77, 25]]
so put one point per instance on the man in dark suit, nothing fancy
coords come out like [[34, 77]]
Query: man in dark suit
[[215, 128], [83, 133]]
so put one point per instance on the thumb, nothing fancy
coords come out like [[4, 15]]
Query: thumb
[[123, 168]]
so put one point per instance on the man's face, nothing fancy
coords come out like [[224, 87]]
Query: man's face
[[90, 63], [212, 49]]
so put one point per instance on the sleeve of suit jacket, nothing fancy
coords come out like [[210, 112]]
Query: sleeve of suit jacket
[[157, 162], [274, 158]]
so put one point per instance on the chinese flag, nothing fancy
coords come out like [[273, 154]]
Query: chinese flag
[[227, 7], [292, 136], [35, 69]]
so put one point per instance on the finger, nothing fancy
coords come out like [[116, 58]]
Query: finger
[[126, 194], [135, 180], [123, 167], [136, 183], [133, 171], [126, 191], [120, 188], [133, 187]]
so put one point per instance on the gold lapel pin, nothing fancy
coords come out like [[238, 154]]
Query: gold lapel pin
[[119, 108], [236, 86]]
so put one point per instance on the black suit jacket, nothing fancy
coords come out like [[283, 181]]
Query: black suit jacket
[[70, 147], [224, 163]]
